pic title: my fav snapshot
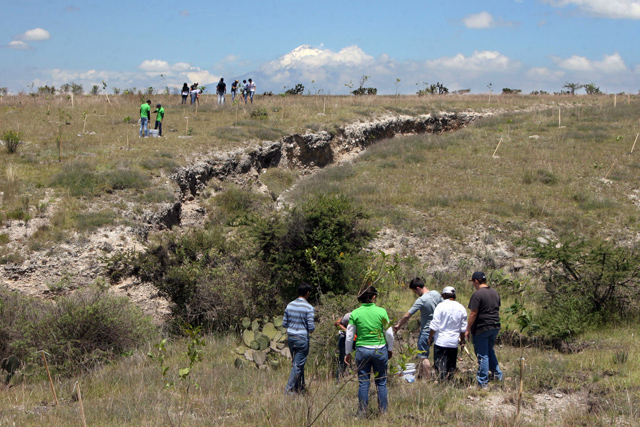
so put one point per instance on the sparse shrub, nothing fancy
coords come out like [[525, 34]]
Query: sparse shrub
[[260, 114], [588, 282], [124, 178], [11, 141], [77, 332], [89, 221], [507, 91], [297, 90], [82, 180]]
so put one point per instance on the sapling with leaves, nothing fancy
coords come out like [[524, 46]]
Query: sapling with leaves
[[182, 378]]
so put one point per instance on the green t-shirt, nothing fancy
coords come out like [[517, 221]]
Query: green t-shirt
[[160, 114], [368, 319], [145, 110]]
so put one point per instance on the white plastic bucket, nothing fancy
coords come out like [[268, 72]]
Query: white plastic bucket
[[153, 133]]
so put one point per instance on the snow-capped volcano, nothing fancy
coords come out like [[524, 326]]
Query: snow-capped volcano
[[298, 55]]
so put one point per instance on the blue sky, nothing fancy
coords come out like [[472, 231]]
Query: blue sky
[[522, 44]]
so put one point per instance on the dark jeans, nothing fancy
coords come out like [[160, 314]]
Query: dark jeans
[[184, 98], [342, 366], [445, 361], [487, 361], [368, 360], [299, 348], [159, 127]]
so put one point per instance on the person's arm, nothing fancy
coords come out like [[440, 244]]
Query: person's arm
[[348, 342], [472, 318], [463, 329], [339, 325], [285, 320], [390, 340], [402, 322], [310, 318], [432, 333]]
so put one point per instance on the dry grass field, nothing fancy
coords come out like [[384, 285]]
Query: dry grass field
[[446, 204]]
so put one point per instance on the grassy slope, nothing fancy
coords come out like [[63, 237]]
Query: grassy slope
[[432, 185]]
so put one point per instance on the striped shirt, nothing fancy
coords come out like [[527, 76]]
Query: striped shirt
[[298, 318]]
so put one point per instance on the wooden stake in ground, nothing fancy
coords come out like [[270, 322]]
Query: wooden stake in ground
[[521, 386], [46, 366], [84, 422], [127, 140], [72, 100], [609, 171], [634, 143], [186, 131], [559, 117], [615, 100], [496, 150]]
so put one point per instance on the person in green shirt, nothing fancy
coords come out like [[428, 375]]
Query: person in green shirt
[[145, 115], [373, 348], [159, 116]]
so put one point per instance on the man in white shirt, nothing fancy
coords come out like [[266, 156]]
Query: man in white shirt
[[447, 328]]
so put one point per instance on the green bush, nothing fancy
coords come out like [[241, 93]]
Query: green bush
[[77, 332], [320, 243], [11, 141], [587, 282]]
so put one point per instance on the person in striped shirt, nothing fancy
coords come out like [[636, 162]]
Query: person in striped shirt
[[298, 319]]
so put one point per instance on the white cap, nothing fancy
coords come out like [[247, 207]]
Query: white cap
[[449, 290]]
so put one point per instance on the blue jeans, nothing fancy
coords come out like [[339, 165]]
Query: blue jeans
[[423, 345], [487, 361], [251, 93], [367, 360], [144, 122], [299, 348], [233, 96], [193, 98]]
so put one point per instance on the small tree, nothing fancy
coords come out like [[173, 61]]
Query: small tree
[[592, 89], [4, 91], [94, 89], [297, 90], [76, 89], [573, 87]]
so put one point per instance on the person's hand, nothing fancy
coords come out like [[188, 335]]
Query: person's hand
[[430, 341], [466, 335], [395, 328], [390, 354], [347, 359]]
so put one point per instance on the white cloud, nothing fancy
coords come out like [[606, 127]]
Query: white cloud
[[610, 64], [17, 44], [615, 9], [37, 34], [484, 61], [203, 77], [543, 74], [154, 65], [479, 21]]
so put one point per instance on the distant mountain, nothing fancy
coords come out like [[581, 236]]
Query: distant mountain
[[316, 69], [292, 59]]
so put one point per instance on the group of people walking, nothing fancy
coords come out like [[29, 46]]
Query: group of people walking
[[444, 324], [247, 90], [192, 91]]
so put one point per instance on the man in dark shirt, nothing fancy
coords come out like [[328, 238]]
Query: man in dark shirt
[[484, 325]]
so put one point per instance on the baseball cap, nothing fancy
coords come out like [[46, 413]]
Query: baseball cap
[[479, 276], [449, 290]]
